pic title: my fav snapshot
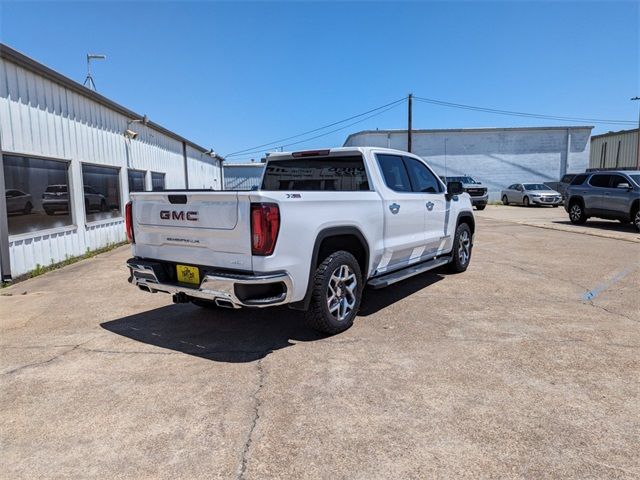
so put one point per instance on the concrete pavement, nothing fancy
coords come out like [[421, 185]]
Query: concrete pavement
[[503, 371]]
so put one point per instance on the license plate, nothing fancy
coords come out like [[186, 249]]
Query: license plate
[[187, 274]]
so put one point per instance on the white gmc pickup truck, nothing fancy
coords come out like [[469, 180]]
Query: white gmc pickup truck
[[324, 224]]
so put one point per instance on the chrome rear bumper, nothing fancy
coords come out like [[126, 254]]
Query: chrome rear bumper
[[218, 288]]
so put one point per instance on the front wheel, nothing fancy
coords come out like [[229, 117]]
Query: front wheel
[[636, 220], [336, 294], [462, 247], [526, 202], [576, 214]]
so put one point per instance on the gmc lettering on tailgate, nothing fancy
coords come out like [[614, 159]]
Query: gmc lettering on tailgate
[[178, 215]]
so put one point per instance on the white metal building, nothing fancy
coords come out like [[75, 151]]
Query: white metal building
[[67, 166], [242, 176], [615, 150], [495, 156]]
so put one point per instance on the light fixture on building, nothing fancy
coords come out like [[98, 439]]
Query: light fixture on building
[[130, 134]]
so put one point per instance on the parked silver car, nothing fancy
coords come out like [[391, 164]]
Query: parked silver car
[[528, 194]]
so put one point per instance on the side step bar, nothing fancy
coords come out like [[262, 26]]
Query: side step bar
[[410, 271]]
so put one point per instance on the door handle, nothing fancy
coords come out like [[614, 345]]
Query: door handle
[[394, 207], [429, 206]]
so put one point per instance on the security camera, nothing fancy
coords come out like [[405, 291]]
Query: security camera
[[131, 134]]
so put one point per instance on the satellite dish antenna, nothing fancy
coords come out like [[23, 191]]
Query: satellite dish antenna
[[88, 82]]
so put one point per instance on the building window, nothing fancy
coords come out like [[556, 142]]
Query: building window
[[137, 180], [101, 187], [157, 181], [37, 194]]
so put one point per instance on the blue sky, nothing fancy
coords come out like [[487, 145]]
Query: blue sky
[[234, 75]]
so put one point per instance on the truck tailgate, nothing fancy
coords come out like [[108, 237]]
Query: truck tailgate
[[198, 228]]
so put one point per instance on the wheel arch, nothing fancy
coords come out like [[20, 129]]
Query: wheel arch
[[467, 217], [352, 240]]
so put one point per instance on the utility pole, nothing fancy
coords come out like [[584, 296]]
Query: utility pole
[[638, 137], [409, 121]]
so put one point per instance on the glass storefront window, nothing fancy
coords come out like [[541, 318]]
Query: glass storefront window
[[157, 181], [36, 192], [136, 180], [101, 187]]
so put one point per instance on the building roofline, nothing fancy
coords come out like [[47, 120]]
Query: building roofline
[[611, 134], [465, 130], [252, 164], [28, 63]]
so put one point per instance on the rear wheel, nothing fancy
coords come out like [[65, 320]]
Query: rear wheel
[[576, 214], [525, 202], [636, 219], [336, 294], [505, 200], [461, 249]]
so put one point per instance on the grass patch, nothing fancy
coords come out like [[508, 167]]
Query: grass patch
[[41, 270]]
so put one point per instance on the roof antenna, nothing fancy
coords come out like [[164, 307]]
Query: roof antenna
[[88, 82]]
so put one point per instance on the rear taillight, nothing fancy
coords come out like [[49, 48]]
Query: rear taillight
[[128, 222], [265, 223]]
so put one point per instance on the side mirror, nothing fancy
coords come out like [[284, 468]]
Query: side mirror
[[454, 188], [624, 185]]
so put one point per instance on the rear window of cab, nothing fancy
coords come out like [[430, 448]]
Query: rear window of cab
[[336, 174]]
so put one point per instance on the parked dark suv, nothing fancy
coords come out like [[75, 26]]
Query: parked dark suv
[[612, 195]]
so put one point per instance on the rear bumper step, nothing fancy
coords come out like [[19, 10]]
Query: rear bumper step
[[218, 288], [399, 275]]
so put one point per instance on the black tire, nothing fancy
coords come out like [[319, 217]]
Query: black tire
[[525, 202], [505, 200], [577, 214], [204, 304], [635, 215], [27, 208], [480, 207], [460, 262], [319, 316]]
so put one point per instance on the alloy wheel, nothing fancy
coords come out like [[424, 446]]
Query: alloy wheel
[[575, 213], [341, 292], [464, 247]]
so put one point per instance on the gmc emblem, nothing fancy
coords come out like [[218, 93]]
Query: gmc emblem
[[178, 215]]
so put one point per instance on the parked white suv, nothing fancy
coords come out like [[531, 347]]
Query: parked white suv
[[323, 224]]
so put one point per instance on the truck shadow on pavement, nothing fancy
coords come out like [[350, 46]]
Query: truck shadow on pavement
[[244, 335]]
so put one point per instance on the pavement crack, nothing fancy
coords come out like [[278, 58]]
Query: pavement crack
[[44, 362], [257, 403], [590, 302]]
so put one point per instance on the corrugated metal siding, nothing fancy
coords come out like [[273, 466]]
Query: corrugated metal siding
[[614, 151], [242, 177], [203, 170], [42, 118], [497, 158]]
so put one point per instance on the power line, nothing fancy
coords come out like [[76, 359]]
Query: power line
[[278, 142], [393, 105], [521, 114]]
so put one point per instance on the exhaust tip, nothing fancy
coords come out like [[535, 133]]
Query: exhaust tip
[[223, 303]]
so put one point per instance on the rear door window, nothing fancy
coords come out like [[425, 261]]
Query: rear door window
[[341, 174], [601, 181], [394, 172]]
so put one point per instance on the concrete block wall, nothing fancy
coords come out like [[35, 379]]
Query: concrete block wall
[[496, 157]]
